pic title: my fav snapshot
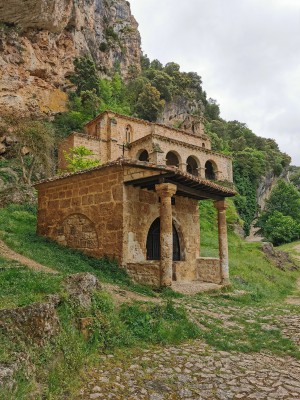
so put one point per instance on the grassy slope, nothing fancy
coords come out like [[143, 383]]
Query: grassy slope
[[264, 286]]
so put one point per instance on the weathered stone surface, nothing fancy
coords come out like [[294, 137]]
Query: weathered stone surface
[[34, 323], [81, 287], [36, 61]]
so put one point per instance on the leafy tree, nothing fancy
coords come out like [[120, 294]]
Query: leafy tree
[[85, 76], [149, 104], [79, 158], [34, 148], [279, 228], [212, 110], [281, 214]]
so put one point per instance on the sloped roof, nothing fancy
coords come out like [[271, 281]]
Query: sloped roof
[[187, 183]]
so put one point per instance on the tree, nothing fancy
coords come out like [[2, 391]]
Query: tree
[[78, 158], [85, 76], [279, 228], [149, 104], [280, 221], [34, 148]]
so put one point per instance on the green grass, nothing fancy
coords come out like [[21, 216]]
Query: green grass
[[18, 230], [20, 286], [250, 271], [263, 288]]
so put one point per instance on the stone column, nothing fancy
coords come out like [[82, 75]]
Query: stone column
[[223, 242], [165, 192], [182, 167]]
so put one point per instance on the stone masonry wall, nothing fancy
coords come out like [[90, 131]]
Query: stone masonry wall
[[85, 211], [209, 270], [147, 272], [141, 208]]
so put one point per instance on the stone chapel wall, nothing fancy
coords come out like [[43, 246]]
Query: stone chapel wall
[[85, 211]]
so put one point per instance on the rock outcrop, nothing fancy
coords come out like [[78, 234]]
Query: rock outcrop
[[80, 288], [34, 323], [39, 40]]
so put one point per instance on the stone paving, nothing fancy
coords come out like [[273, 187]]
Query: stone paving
[[194, 371]]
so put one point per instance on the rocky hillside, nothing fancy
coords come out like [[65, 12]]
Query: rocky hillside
[[39, 40]]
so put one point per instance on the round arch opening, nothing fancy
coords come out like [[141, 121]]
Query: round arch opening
[[153, 242], [143, 155], [192, 166], [172, 159], [210, 170]]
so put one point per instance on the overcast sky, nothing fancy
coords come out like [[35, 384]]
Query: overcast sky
[[246, 51]]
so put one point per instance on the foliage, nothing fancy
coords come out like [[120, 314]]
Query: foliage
[[33, 148], [280, 221], [78, 158], [149, 106], [85, 75]]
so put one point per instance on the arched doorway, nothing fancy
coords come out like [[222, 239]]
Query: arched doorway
[[153, 242]]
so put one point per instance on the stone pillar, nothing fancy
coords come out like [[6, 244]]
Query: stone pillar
[[182, 167], [223, 242], [201, 172], [165, 192]]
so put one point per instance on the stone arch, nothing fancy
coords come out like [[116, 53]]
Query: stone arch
[[192, 165], [153, 242], [128, 134], [142, 155], [173, 159], [210, 170], [78, 232]]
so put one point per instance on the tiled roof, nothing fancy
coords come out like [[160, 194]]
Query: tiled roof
[[145, 165]]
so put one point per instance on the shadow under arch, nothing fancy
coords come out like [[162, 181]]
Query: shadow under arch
[[153, 242]]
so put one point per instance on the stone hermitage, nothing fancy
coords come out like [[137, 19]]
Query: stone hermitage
[[140, 206]]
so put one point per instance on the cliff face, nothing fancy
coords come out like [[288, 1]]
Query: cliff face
[[39, 40]]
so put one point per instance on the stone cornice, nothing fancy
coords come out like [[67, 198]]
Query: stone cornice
[[178, 142]]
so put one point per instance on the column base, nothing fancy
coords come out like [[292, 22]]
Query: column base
[[226, 282]]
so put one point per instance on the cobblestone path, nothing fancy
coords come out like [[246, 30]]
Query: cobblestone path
[[194, 371]]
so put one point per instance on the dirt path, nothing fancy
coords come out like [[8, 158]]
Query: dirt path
[[9, 254]]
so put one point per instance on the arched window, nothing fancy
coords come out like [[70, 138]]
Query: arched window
[[172, 159], [210, 170], [153, 242], [192, 166], [143, 155], [203, 145], [128, 134]]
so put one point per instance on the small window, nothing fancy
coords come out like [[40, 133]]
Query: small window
[[203, 145], [128, 134]]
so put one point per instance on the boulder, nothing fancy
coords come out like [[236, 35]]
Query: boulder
[[35, 323], [80, 288]]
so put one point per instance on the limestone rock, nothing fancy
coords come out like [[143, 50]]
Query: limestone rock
[[81, 287], [34, 323], [39, 40]]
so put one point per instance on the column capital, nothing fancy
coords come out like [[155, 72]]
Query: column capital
[[220, 205], [166, 189]]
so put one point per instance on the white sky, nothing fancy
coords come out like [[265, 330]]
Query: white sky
[[246, 51]]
